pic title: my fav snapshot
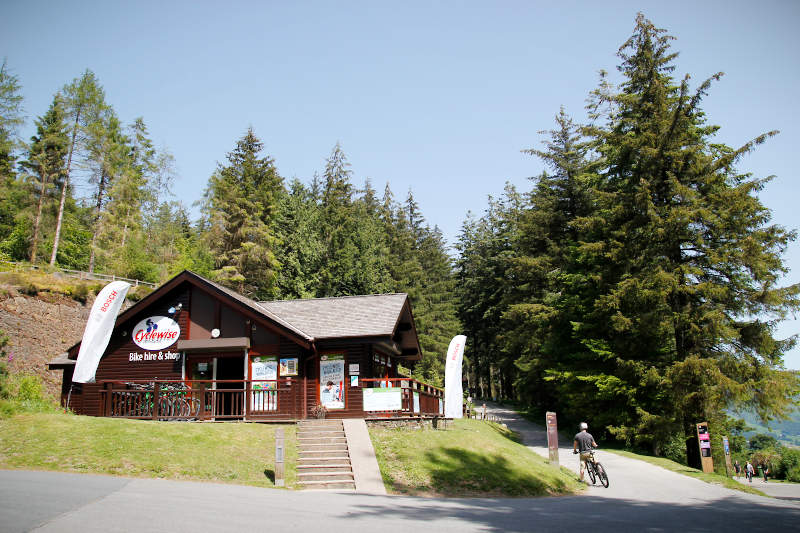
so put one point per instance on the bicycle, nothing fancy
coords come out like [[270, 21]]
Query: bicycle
[[595, 469]]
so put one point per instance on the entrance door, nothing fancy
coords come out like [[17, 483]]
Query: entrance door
[[201, 370], [230, 387]]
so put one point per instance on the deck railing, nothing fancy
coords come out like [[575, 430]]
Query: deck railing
[[197, 400], [405, 397], [253, 399]]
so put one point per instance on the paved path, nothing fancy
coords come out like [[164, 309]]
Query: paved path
[[60, 502], [641, 497], [632, 479], [784, 491]]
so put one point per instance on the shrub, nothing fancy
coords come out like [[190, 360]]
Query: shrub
[[22, 393], [675, 448]]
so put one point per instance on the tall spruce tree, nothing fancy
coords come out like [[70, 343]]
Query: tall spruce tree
[[551, 285], [688, 263], [241, 209]]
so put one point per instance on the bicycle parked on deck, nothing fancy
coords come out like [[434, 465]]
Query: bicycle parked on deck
[[595, 469]]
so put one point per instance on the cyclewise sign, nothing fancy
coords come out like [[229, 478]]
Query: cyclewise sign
[[156, 333]]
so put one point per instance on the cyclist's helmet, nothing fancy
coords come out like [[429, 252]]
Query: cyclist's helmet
[[584, 425]]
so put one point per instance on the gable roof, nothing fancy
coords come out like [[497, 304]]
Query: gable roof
[[375, 315], [386, 316]]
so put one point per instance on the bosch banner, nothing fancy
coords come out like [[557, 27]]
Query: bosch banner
[[98, 330]]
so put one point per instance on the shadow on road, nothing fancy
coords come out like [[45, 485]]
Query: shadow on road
[[578, 512]]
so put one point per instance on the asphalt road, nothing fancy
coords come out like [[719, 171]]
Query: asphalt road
[[641, 497]]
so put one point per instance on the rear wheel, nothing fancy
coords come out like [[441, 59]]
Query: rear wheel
[[601, 473]]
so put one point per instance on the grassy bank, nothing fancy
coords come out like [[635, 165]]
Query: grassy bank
[[668, 464], [227, 453], [470, 458]]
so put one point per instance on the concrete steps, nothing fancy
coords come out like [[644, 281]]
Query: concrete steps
[[323, 457]]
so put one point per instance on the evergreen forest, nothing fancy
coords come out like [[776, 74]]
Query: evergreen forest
[[636, 284]]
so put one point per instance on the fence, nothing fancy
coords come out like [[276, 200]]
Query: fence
[[197, 400], [79, 274]]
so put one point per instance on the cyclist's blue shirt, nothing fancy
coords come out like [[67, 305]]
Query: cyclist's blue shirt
[[585, 441]]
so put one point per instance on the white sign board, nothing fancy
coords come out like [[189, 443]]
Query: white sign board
[[383, 399]]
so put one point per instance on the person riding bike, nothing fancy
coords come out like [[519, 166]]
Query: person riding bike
[[583, 443]]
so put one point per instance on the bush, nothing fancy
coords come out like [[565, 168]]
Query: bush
[[22, 393], [675, 448]]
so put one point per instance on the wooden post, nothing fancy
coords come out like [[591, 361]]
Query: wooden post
[[247, 387], [552, 437], [109, 393], [279, 481], [305, 397], [704, 442], [201, 392], [156, 398]]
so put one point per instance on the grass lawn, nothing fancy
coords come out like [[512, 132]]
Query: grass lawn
[[227, 452], [469, 458], [668, 464]]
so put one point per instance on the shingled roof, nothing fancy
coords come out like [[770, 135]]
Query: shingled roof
[[374, 315]]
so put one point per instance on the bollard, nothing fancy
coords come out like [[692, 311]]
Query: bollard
[[279, 481]]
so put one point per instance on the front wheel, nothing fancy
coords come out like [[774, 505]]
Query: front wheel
[[590, 471], [601, 473]]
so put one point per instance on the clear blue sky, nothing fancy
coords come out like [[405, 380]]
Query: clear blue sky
[[439, 97]]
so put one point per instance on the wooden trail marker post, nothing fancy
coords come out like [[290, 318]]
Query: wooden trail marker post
[[552, 437], [704, 442], [279, 481]]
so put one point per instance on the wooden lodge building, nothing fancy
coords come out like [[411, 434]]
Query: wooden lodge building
[[195, 350]]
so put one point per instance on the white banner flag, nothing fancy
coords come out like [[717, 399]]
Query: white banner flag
[[98, 330], [453, 395]]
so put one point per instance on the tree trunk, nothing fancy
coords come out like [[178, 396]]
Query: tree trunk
[[101, 187], [64, 191], [38, 218]]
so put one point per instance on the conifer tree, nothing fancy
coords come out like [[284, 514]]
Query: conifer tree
[[550, 292], [12, 193], [84, 101], [47, 163], [241, 209], [687, 263]]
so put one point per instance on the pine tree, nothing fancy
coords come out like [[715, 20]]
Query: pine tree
[[12, 193], [688, 264], [84, 101], [241, 210], [551, 289], [47, 162], [486, 247], [301, 249]]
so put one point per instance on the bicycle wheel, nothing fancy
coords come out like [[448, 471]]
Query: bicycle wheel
[[590, 471], [601, 473]]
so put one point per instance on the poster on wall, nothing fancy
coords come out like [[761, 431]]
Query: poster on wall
[[289, 367], [382, 399], [416, 402], [264, 373], [331, 381]]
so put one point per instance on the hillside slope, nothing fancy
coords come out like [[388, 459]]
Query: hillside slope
[[40, 328], [42, 315]]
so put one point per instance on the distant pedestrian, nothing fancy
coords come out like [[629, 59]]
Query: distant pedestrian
[[765, 471], [737, 468], [749, 471]]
